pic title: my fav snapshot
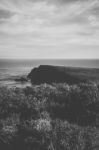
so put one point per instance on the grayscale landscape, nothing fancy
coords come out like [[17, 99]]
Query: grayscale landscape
[[49, 74]]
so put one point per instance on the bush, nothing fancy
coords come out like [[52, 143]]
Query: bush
[[50, 117]]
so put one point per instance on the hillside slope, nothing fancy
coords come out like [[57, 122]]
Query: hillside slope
[[71, 75]]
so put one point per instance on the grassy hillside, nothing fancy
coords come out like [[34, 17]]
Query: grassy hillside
[[50, 117]]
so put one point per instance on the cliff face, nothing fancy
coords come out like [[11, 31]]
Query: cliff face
[[50, 74]]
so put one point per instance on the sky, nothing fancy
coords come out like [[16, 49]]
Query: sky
[[49, 29]]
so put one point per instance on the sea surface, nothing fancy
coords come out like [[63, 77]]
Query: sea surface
[[10, 69]]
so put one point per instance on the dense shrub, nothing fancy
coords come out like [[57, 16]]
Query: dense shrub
[[50, 117]]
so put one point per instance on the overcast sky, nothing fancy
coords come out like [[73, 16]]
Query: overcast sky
[[49, 28]]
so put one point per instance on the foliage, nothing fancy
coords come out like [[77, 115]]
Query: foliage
[[50, 117]]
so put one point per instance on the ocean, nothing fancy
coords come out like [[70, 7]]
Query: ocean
[[10, 69]]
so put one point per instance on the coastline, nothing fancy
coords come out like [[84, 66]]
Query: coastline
[[32, 115], [10, 79]]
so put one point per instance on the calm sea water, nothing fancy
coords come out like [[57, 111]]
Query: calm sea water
[[10, 69]]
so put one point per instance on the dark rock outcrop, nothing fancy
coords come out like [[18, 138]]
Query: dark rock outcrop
[[52, 74]]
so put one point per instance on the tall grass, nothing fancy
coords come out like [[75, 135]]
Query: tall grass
[[50, 117]]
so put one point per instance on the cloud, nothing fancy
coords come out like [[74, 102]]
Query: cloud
[[5, 14], [57, 2], [31, 24]]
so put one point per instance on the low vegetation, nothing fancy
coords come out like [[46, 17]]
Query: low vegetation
[[50, 117]]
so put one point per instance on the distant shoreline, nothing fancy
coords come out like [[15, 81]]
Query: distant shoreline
[[11, 69]]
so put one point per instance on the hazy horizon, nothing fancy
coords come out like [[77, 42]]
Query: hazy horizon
[[20, 58], [65, 29]]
